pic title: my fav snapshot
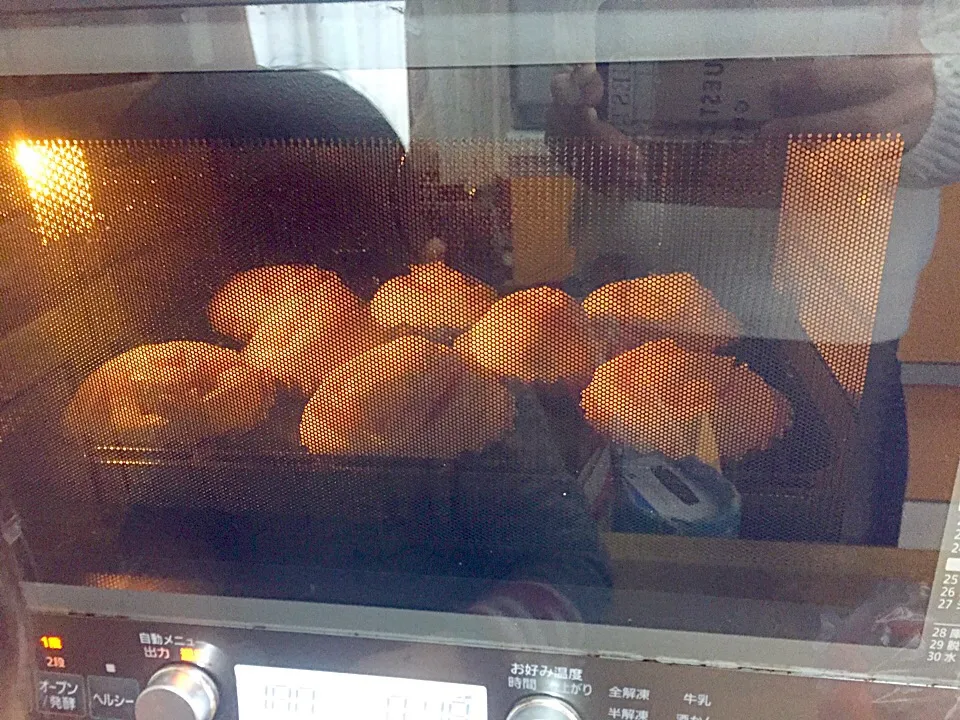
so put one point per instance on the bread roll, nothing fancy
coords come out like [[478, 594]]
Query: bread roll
[[657, 396], [432, 298], [249, 298], [307, 337], [408, 398], [173, 393], [536, 335], [629, 313]]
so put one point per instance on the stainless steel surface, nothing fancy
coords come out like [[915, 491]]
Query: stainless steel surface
[[807, 659], [219, 38], [178, 692], [542, 707], [17, 7]]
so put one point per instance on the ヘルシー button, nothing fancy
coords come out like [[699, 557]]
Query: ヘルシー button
[[112, 698]]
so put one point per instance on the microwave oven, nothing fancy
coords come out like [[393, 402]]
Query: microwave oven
[[503, 360]]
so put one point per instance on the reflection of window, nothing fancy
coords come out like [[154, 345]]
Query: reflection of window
[[360, 43]]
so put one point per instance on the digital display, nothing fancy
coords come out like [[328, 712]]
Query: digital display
[[267, 693]]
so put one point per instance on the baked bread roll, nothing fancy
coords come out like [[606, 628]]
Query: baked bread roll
[[536, 335], [408, 398], [173, 393], [306, 337], [659, 396], [432, 299], [629, 313], [249, 298]]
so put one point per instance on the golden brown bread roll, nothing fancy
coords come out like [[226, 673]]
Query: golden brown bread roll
[[249, 298], [629, 313], [432, 298], [657, 396], [408, 398], [173, 393], [306, 337], [536, 335]]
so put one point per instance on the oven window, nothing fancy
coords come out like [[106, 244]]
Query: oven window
[[275, 335]]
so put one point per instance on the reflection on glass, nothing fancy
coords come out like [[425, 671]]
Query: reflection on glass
[[55, 172]]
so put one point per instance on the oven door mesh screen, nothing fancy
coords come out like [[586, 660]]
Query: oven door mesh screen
[[459, 316]]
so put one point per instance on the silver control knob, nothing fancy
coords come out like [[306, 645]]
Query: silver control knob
[[178, 692], [542, 707]]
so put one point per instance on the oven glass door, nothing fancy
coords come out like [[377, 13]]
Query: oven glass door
[[607, 314]]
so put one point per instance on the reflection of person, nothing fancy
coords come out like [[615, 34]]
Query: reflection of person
[[522, 542], [535, 539], [915, 95], [14, 658]]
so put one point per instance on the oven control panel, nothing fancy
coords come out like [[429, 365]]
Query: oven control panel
[[122, 669]]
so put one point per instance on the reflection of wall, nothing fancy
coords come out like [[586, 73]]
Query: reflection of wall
[[934, 333], [455, 102], [933, 418], [933, 412], [460, 103], [171, 40]]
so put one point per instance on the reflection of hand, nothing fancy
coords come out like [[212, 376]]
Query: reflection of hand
[[573, 113], [891, 94], [572, 121]]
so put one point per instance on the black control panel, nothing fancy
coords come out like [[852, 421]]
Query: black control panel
[[123, 669]]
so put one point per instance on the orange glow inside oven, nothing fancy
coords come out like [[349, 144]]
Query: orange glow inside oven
[[58, 185]]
